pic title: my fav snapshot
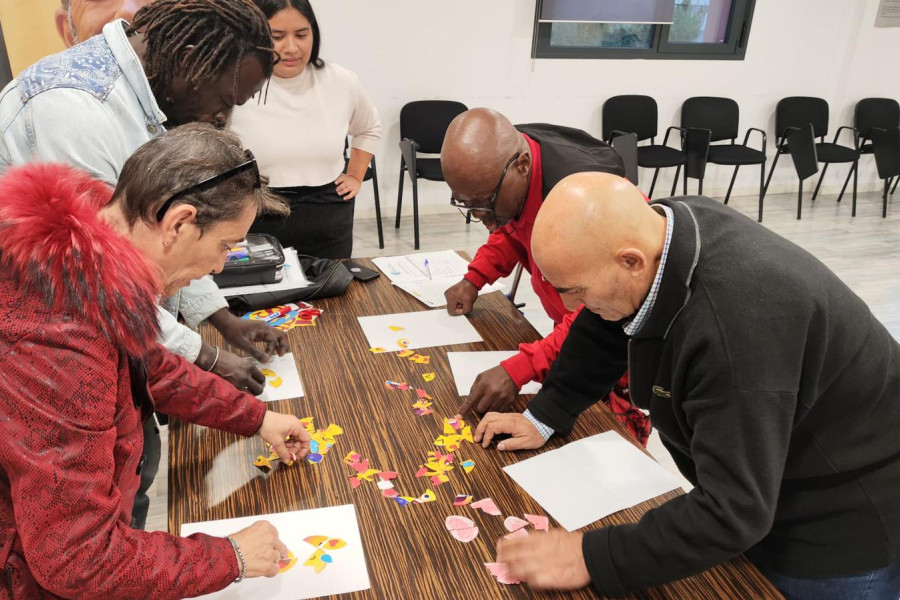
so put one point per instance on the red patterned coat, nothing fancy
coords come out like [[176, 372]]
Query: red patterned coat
[[78, 362]]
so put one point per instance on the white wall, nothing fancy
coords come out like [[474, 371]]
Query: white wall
[[478, 52]]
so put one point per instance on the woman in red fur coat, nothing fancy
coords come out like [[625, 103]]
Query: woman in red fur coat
[[80, 276]]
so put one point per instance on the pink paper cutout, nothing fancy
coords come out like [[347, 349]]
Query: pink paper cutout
[[461, 528], [501, 573], [488, 506], [540, 523], [514, 523]]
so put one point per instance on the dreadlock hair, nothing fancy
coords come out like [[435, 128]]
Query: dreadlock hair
[[198, 38]]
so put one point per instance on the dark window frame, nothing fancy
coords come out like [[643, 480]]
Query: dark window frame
[[5, 71], [735, 47]]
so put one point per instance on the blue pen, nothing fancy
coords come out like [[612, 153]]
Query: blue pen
[[428, 268]]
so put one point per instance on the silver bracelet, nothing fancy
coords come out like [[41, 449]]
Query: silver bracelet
[[240, 555], [215, 360]]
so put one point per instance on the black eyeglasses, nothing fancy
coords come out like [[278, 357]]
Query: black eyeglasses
[[249, 164], [468, 204]]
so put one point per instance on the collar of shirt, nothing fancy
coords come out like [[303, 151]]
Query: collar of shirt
[[535, 193], [635, 324], [133, 71]]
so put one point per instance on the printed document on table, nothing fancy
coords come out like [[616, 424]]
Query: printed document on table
[[466, 366], [587, 480], [430, 292], [411, 267], [292, 279]]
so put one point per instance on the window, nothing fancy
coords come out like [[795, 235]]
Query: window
[[700, 29]]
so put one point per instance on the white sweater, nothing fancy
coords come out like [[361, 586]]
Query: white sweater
[[298, 134]]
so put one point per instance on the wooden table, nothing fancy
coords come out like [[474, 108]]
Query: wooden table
[[409, 552]]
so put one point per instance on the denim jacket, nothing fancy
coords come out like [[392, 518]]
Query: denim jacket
[[91, 106]]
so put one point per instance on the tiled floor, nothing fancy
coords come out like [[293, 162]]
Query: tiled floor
[[864, 251]]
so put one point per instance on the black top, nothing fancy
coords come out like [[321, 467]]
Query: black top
[[776, 391]]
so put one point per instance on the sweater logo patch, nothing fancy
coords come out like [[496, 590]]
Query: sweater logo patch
[[659, 391]]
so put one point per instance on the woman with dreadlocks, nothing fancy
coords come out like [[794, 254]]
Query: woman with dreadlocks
[[298, 131]]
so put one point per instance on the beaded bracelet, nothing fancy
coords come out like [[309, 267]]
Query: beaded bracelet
[[240, 555], [215, 360]]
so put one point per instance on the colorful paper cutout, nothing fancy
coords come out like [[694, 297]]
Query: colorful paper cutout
[[501, 574], [540, 523], [287, 562], [406, 353], [514, 523], [396, 328], [427, 496], [403, 343], [321, 440], [287, 316], [461, 528], [396, 385], [423, 407], [321, 559], [468, 466], [428, 377], [462, 499], [423, 395], [378, 350], [487, 505]]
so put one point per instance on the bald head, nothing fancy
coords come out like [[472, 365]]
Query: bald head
[[477, 145], [598, 242]]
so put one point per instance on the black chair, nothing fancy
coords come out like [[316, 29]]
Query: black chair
[[872, 113], [802, 142], [639, 115], [422, 127], [795, 112], [721, 117], [886, 147], [696, 149], [625, 144], [371, 175]]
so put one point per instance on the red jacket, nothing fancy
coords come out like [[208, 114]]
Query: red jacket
[[78, 360], [511, 245]]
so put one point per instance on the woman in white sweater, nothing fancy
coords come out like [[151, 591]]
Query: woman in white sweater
[[297, 129]]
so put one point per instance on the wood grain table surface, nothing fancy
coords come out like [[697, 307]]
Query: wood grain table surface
[[408, 550]]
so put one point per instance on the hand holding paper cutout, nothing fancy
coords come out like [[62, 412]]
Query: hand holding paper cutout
[[524, 435], [261, 548], [245, 333], [461, 298], [286, 434], [552, 561], [493, 390]]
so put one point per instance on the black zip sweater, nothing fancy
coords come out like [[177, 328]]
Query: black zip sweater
[[776, 391]]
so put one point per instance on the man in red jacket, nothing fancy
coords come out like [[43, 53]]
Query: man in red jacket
[[502, 173]]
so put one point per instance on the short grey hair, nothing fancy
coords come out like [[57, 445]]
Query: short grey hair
[[183, 157]]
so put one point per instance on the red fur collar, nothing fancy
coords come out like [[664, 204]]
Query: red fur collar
[[52, 242]]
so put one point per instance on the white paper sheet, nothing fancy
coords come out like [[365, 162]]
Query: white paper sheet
[[282, 378], [346, 573], [292, 279], [592, 478], [421, 329], [466, 366], [430, 292], [411, 267]]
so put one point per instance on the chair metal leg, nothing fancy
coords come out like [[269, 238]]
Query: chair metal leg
[[700, 187], [762, 189], [399, 196], [799, 198], [887, 184], [675, 183], [818, 185], [847, 181], [653, 183], [895, 186], [855, 173], [377, 204], [415, 212], [468, 217], [730, 185], [772, 170], [685, 182]]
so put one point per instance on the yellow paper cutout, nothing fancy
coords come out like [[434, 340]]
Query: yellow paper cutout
[[396, 328], [428, 377]]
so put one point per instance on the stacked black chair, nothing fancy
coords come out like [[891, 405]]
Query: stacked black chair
[[886, 147], [371, 175], [639, 115], [625, 144], [871, 114], [696, 151], [721, 117], [796, 112], [802, 143], [422, 127]]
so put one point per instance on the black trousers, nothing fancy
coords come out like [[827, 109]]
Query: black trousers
[[149, 467], [320, 223]]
